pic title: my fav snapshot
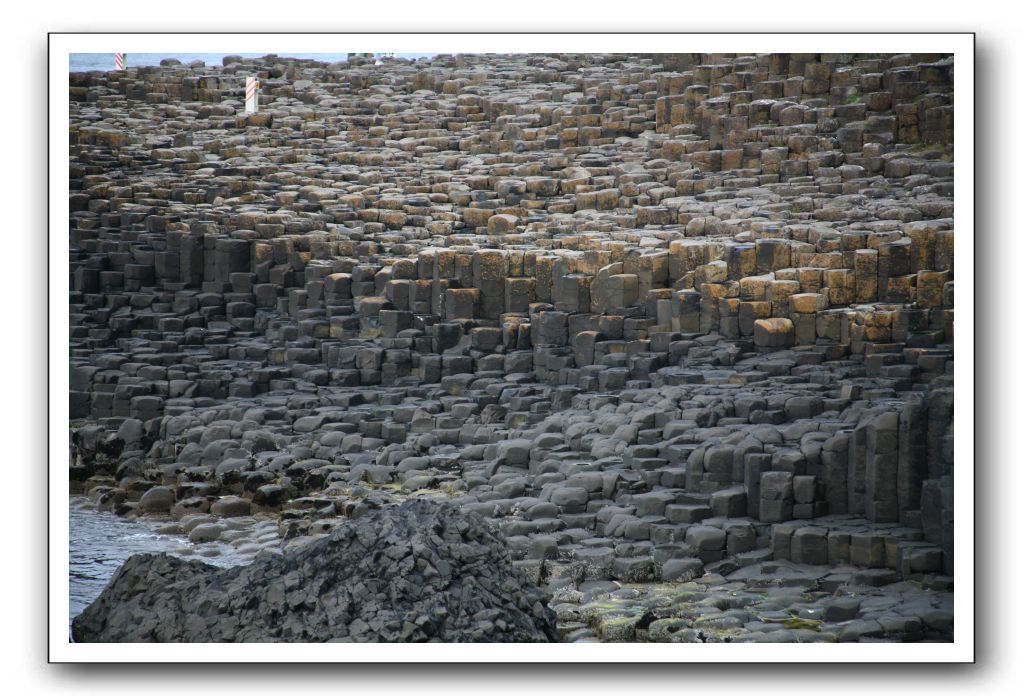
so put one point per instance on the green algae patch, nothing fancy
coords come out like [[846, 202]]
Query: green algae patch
[[795, 624]]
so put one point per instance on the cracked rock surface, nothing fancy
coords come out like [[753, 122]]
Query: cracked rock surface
[[417, 572]]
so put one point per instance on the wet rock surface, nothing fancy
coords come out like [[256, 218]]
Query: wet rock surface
[[412, 573], [657, 318]]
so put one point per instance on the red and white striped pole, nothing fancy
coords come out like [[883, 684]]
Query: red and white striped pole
[[119, 60], [251, 95]]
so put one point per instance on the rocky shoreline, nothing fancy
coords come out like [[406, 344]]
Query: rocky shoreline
[[414, 573], [678, 327]]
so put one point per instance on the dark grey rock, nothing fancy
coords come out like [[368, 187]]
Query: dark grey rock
[[841, 609], [681, 569], [411, 573], [158, 499]]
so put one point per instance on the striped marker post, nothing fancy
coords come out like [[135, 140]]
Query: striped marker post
[[251, 95], [119, 60]]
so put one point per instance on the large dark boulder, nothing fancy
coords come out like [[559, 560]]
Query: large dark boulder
[[421, 571]]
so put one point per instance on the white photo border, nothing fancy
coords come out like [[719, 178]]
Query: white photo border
[[61, 45]]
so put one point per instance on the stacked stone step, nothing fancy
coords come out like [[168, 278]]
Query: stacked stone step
[[845, 541], [643, 311], [664, 517], [770, 307]]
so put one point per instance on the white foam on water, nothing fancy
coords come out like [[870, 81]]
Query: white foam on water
[[102, 541]]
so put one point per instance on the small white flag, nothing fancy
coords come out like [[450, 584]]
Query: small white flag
[[251, 95]]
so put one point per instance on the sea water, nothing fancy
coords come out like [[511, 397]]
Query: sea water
[[101, 541], [83, 62]]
